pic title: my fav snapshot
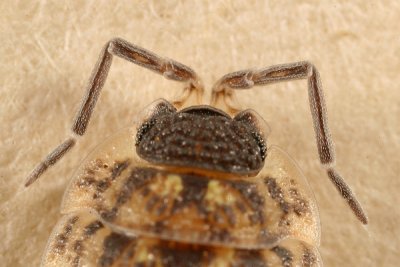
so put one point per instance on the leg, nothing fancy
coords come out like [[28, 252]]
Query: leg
[[300, 70], [168, 68]]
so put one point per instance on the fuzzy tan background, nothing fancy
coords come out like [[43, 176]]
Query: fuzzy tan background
[[47, 51]]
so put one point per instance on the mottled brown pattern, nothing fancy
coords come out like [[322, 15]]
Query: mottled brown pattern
[[137, 179], [285, 255], [219, 208], [193, 192], [192, 196], [253, 199], [116, 170], [90, 179], [92, 228], [78, 245], [182, 206], [249, 258], [297, 203], [175, 255], [309, 257], [224, 216], [62, 238], [300, 205], [277, 194], [106, 248], [113, 247]]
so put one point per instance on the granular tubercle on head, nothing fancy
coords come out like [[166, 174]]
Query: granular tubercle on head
[[203, 138]]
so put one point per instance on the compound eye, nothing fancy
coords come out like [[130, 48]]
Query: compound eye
[[260, 126], [146, 119]]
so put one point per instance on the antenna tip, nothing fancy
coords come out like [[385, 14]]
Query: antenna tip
[[348, 195]]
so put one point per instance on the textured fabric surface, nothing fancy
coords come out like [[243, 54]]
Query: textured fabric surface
[[48, 49]]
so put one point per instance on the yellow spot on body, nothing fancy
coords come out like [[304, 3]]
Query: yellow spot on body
[[173, 185], [224, 259], [216, 193], [142, 254], [230, 198], [150, 257], [169, 185]]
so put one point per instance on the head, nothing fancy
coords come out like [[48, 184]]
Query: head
[[202, 138]]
